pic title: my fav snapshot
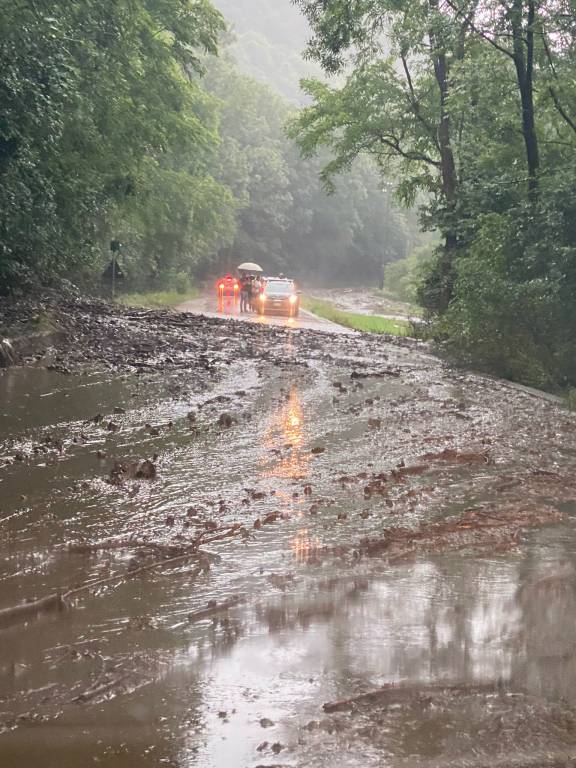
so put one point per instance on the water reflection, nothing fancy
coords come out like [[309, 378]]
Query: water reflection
[[228, 305], [285, 436], [305, 546]]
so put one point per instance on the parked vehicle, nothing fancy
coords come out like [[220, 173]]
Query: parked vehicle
[[227, 287], [279, 296]]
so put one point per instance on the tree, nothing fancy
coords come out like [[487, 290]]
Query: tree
[[285, 219], [467, 101], [394, 104], [92, 96]]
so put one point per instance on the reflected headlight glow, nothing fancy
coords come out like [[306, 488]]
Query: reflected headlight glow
[[292, 299], [263, 297]]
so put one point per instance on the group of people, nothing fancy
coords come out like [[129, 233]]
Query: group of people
[[250, 288]]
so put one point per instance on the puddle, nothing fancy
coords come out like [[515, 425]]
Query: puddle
[[132, 675]]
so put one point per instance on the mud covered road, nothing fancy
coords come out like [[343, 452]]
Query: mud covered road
[[272, 546], [208, 306]]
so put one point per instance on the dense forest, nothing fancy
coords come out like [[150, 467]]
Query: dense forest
[[472, 104], [270, 37], [131, 121]]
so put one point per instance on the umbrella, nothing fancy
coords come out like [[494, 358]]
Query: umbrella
[[249, 266]]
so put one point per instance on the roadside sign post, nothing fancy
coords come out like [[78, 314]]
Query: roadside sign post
[[115, 246]]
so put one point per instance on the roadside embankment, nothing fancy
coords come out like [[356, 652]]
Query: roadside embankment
[[357, 320]]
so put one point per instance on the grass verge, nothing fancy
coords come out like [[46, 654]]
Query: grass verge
[[158, 299], [360, 322]]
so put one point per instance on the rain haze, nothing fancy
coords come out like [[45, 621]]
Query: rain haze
[[287, 384]]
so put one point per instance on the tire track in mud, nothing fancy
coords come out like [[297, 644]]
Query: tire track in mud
[[326, 519]]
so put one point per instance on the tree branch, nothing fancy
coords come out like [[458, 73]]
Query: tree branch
[[415, 103], [394, 143], [478, 31], [565, 116]]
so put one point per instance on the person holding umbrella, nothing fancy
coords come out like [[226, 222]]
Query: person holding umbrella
[[248, 284]]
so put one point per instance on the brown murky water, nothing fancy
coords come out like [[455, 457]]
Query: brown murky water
[[132, 675]]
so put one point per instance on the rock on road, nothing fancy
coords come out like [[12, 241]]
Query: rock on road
[[294, 547]]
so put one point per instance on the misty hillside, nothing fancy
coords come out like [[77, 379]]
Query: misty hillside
[[270, 37]]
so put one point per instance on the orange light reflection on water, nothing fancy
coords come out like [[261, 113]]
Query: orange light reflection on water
[[286, 428], [304, 546]]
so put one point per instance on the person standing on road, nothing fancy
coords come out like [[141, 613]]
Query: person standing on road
[[255, 290], [244, 292]]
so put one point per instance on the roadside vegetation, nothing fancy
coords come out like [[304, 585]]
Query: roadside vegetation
[[469, 106], [356, 320], [403, 277], [113, 128]]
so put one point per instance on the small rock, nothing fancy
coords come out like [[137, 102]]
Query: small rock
[[265, 722], [146, 469], [225, 421]]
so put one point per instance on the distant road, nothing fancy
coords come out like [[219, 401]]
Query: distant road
[[208, 306]]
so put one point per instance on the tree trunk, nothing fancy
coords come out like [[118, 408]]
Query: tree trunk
[[524, 64], [449, 186]]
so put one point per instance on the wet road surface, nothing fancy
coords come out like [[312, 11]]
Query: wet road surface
[[209, 306], [333, 443]]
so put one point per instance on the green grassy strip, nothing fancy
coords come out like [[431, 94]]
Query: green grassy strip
[[158, 299], [360, 322]]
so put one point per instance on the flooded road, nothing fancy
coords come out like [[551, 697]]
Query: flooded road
[[209, 306], [346, 554]]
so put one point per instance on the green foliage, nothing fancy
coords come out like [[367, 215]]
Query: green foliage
[[514, 310], [402, 278], [108, 129], [468, 104], [286, 220], [95, 98]]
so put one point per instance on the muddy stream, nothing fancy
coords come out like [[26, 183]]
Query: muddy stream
[[374, 563]]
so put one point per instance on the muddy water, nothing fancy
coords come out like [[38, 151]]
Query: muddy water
[[128, 676]]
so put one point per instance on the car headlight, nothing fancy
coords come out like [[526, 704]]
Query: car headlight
[[292, 299]]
